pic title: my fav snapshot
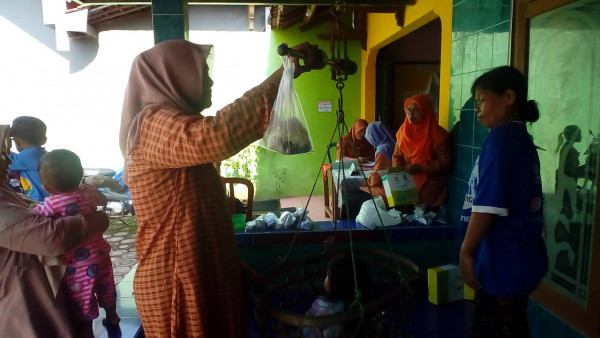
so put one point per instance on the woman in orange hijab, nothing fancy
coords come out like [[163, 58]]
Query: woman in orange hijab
[[423, 149], [365, 152]]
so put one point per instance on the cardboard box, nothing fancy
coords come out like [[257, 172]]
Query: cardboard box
[[469, 292], [400, 188], [445, 284]]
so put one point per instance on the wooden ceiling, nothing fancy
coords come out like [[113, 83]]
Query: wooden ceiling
[[284, 14]]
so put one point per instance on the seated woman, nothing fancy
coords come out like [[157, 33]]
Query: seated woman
[[423, 148], [384, 143], [379, 136], [356, 140]]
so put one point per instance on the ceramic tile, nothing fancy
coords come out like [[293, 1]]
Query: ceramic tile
[[484, 49], [455, 91], [459, 11], [456, 56], [470, 54], [466, 127], [467, 82], [456, 194], [505, 10], [168, 7], [455, 128], [501, 45], [454, 169], [464, 159], [168, 26]]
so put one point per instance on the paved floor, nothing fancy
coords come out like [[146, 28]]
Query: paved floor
[[121, 237]]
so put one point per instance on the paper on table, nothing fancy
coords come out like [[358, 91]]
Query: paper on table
[[368, 165]]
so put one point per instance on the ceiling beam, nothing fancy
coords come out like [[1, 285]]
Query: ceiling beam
[[378, 3]]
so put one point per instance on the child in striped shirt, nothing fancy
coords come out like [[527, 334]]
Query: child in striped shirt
[[88, 280]]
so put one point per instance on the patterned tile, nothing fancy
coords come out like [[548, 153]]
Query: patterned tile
[[121, 237]]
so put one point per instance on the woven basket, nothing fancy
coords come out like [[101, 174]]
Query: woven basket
[[283, 295]]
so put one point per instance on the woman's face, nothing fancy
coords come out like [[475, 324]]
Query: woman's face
[[360, 135], [413, 113], [492, 109]]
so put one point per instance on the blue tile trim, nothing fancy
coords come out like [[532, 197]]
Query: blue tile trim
[[323, 230]]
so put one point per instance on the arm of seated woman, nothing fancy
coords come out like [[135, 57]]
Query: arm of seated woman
[[440, 161]]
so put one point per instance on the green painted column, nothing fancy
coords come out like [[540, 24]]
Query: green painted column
[[169, 20]]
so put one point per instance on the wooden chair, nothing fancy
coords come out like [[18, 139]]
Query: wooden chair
[[230, 182], [331, 210]]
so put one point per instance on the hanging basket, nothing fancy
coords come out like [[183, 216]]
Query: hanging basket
[[283, 296]]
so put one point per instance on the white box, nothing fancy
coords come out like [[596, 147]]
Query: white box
[[400, 188]]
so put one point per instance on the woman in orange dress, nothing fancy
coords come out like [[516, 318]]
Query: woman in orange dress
[[355, 140], [187, 282], [423, 148]]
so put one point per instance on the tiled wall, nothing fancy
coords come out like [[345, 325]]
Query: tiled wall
[[480, 41]]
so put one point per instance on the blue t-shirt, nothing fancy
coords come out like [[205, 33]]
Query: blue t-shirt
[[26, 163], [511, 259]]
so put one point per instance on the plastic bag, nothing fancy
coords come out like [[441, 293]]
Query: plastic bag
[[367, 215], [288, 131]]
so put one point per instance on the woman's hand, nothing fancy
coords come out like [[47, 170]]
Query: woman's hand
[[467, 269], [375, 179], [101, 181], [312, 60]]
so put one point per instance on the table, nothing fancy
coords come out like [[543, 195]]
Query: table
[[333, 205]]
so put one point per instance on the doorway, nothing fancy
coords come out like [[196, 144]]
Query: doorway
[[405, 67]]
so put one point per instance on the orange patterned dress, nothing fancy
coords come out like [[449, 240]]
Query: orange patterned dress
[[188, 282]]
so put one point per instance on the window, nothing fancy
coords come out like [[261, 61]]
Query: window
[[558, 44]]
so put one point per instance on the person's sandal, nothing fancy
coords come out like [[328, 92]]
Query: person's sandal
[[114, 330]]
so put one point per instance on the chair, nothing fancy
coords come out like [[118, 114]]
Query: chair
[[330, 210], [331, 145], [230, 182]]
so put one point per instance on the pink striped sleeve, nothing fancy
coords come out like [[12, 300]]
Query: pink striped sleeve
[[46, 208]]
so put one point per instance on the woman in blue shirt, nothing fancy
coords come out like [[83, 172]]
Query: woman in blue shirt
[[503, 256]]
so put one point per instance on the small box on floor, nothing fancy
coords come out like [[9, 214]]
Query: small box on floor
[[469, 292], [445, 284], [400, 188]]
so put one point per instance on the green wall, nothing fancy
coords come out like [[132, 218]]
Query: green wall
[[302, 170]]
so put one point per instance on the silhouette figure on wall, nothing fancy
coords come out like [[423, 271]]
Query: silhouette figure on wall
[[567, 227], [571, 215]]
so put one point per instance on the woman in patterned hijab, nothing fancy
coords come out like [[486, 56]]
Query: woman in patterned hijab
[[187, 283]]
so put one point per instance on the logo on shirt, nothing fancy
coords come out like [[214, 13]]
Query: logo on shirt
[[72, 209], [473, 181]]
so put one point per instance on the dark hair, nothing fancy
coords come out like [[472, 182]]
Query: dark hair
[[569, 134], [340, 272], [29, 128], [498, 80], [61, 169]]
